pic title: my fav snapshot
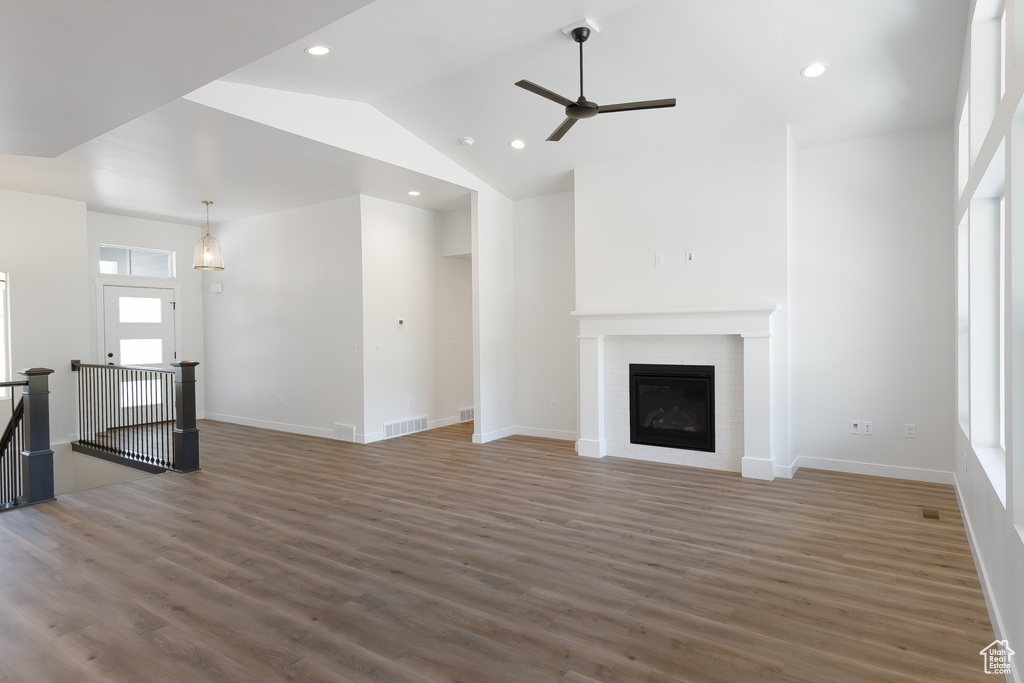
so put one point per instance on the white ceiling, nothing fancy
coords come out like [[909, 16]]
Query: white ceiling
[[444, 70], [74, 69]]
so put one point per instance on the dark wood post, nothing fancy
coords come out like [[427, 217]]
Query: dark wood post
[[186, 436], [37, 458]]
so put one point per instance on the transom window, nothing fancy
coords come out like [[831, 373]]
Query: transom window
[[115, 260]]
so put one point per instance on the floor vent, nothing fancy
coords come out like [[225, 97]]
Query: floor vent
[[344, 432], [465, 414], [930, 513], [392, 429]]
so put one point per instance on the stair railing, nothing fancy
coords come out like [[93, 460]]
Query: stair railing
[[26, 461], [139, 414]]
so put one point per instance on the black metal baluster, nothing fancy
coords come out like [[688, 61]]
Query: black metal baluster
[[89, 404], [114, 393], [166, 426], [90, 408]]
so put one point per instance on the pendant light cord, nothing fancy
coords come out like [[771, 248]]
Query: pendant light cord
[[207, 202]]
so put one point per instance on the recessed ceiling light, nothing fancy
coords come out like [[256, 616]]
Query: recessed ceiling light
[[517, 144], [414, 193], [813, 70], [317, 50]]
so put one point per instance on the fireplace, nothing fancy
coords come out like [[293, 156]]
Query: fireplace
[[672, 406], [745, 392]]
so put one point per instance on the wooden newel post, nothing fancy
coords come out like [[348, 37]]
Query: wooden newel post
[[186, 436], [37, 458]]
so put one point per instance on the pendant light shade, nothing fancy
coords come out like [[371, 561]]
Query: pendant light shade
[[208, 255]]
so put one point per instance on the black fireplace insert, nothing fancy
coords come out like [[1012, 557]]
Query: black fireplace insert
[[672, 406]]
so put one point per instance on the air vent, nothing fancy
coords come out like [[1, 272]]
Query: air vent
[[465, 414], [930, 513], [392, 429], [344, 432]]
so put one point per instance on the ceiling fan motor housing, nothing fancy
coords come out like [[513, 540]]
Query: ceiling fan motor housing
[[582, 109]]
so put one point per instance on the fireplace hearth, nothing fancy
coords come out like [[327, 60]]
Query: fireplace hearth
[[672, 406]]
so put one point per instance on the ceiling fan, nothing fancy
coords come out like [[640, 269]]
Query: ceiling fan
[[584, 108]]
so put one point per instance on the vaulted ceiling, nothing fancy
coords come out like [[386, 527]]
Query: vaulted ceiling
[[89, 104]]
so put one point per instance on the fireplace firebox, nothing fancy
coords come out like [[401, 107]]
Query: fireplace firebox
[[672, 406]]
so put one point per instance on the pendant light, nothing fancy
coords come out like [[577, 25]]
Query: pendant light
[[208, 256]]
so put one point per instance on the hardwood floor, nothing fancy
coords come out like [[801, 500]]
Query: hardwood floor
[[428, 558]]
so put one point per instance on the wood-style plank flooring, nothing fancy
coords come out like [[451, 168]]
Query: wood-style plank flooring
[[428, 558]]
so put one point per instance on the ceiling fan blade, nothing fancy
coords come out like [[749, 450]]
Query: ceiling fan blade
[[544, 92], [562, 130], [633, 106]]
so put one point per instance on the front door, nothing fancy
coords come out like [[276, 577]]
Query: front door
[[138, 330], [138, 326]]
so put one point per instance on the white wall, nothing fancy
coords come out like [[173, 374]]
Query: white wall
[[453, 313], [360, 128], [279, 338], [727, 203], [457, 234], [873, 305], [105, 228], [43, 251], [404, 276], [493, 316], [990, 157], [546, 348]]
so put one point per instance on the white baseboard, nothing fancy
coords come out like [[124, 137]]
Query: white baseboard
[[559, 434], [874, 469], [495, 435], [200, 416], [786, 471], [591, 448], [758, 468], [442, 422], [986, 586], [369, 438], [276, 426]]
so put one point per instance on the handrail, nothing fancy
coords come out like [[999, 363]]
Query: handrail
[[75, 365], [142, 414], [13, 384], [16, 415]]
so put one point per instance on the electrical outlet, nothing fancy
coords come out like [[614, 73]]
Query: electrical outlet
[[554, 406], [355, 348], [659, 259], [689, 257], [280, 399], [866, 429], [453, 345], [854, 427], [408, 401], [375, 348], [910, 431]]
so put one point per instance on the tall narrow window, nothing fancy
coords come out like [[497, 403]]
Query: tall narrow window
[[1002, 322], [5, 357], [963, 328]]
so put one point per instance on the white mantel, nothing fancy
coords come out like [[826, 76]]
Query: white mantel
[[754, 325]]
